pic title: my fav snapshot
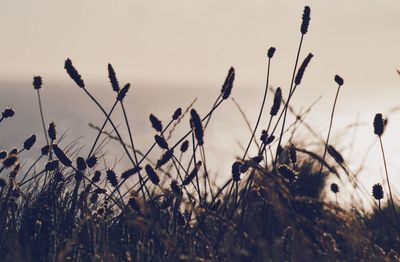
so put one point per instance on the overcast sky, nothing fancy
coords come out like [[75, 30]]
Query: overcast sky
[[194, 42]]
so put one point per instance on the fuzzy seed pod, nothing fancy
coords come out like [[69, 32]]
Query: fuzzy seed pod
[[51, 131], [271, 52], [61, 156], [184, 146], [37, 82], [161, 142], [51, 165], [192, 174], [94, 198], [122, 93], [165, 158], [334, 188], [96, 176], [175, 188], [198, 127], [335, 154], [10, 160], [152, 175], [3, 154], [379, 125], [80, 163], [91, 161], [236, 171], [112, 177], [302, 69], [305, 20], [228, 84], [13, 151], [156, 123], [277, 102], [244, 167], [287, 172], [113, 78], [30, 142], [45, 150], [338, 80], [8, 112], [377, 191], [73, 73], [177, 114], [130, 172]]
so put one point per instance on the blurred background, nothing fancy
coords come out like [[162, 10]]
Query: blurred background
[[175, 51]]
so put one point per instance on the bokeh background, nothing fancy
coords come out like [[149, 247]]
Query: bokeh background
[[175, 51]]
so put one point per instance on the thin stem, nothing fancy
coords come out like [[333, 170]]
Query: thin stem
[[101, 129], [261, 111], [387, 179], [329, 131], [290, 93], [42, 117]]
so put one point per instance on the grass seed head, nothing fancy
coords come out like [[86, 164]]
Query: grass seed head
[[45, 150], [73, 73], [334, 188], [10, 160], [37, 82], [277, 102], [302, 69], [184, 146], [3, 154], [165, 158], [112, 177], [96, 177], [379, 124], [113, 78], [51, 131], [271, 52], [161, 142], [198, 126], [335, 154], [177, 113], [339, 80], [228, 84], [80, 163], [8, 112], [377, 191], [122, 93], [130, 172], [61, 156], [91, 161], [236, 171], [52, 165], [30, 142], [305, 20], [152, 175], [156, 123]]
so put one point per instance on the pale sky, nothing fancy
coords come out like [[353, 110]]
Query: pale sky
[[194, 42]]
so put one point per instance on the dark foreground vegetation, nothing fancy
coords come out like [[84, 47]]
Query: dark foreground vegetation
[[66, 206]]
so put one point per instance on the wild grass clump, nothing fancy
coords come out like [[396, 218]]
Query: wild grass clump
[[276, 204]]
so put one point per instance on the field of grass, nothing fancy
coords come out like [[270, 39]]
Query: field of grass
[[66, 206]]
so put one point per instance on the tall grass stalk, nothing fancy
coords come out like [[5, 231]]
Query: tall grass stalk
[[339, 81]]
